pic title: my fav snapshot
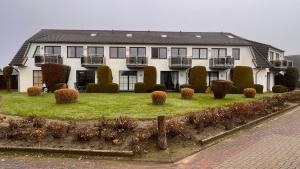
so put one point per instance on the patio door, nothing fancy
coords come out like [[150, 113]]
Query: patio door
[[83, 77], [127, 80], [170, 80]]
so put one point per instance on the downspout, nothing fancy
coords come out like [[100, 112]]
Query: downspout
[[256, 73]]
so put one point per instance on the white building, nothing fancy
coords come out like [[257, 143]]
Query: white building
[[127, 52]]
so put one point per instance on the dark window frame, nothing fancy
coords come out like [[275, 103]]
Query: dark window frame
[[239, 56], [75, 51], [121, 71], [45, 47], [178, 51], [199, 58], [95, 50], [117, 53], [159, 48], [138, 51], [219, 52]]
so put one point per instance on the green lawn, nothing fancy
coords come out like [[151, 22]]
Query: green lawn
[[93, 106]]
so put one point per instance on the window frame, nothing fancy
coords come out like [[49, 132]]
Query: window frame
[[33, 77], [159, 48], [179, 51], [219, 52], [95, 50], [199, 53], [35, 54], [117, 53], [52, 49], [271, 56], [277, 56], [75, 51], [137, 51], [239, 56]]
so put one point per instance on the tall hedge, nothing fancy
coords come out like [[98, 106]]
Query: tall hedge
[[292, 77], [104, 74], [197, 79], [242, 77], [150, 76], [7, 72], [52, 75]]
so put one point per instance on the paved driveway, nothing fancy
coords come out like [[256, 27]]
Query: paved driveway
[[275, 144]]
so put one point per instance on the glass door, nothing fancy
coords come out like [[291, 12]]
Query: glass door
[[127, 80], [170, 80]]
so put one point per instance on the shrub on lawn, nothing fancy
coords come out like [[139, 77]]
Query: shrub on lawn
[[185, 86], [278, 89], [259, 88], [187, 93], [159, 97], [53, 74], [242, 77], [34, 91], [149, 77], [159, 87], [66, 96], [197, 79], [292, 77], [139, 88], [104, 75], [92, 88], [249, 92], [220, 88], [7, 72]]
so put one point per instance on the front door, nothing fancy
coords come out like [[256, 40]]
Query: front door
[[170, 80], [127, 80], [84, 77]]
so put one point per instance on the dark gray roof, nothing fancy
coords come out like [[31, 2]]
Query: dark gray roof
[[138, 37]]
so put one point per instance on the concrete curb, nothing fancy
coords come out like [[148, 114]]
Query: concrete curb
[[68, 151], [209, 140]]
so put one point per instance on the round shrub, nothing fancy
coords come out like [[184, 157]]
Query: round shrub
[[187, 93], [112, 88], [259, 88], [159, 87], [66, 96], [92, 88], [159, 97], [149, 77], [34, 91], [185, 86], [139, 88], [197, 79], [292, 77], [278, 89], [220, 88], [249, 92], [242, 77]]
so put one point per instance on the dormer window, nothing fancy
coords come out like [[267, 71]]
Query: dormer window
[[129, 35], [164, 36], [271, 56]]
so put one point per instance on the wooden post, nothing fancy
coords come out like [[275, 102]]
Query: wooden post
[[162, 134]]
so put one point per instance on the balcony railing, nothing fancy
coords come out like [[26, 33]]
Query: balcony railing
[[92, 61], [180, 62], [281, 64], [136, 62], [45, 59], [221, 63]]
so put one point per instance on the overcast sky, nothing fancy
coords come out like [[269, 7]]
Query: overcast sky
[[276, 22]]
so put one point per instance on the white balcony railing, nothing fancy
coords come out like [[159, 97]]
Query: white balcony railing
[[180, 62], [48, 58]]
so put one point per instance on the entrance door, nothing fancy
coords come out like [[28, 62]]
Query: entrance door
[[127, 80], [268, 81], [170, 80], [84, 77]]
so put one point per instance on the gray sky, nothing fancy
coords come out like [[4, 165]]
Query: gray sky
[[276, 22]]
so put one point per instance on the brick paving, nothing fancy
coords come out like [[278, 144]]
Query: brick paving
[[273, 144]]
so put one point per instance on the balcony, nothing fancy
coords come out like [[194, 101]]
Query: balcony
[[92, 61], [136, 62], [46, 59], [281, 64], [180, 62], [221, 63]]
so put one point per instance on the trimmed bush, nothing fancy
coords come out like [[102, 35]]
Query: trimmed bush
[[112, 88], [292, 77], [280, 79], [220, 88], [66, 96], [159, 87], [187, 93], [233, 89], [259, 88], [7, 72], [278, 89], [139, 88], [197, 79], [53, 74], [104, 75], [185, 86], [34, 91], [159, 97], [249, 92], [92, 88], [149, 77], [242, 77]]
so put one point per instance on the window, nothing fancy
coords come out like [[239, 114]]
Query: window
[[271, 56], [236, 53], [178, 52], [75, 51], [219, 53], [159, 53], [95, 52], [277, 56], [137, 52], [212, 76], [37, 78], [37, 51], [83, 77], [52, 50], [117, 52], [127, 80], [199, 53]]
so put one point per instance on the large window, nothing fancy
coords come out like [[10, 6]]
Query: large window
[[271, 56], [37, 78], [159, 53], [277, 56], [52, 50], [75, 51], [178, 52], [117, 52], [236, 53], [95, 51], [212, 76], [127, 80], [199, 53], [83, 77], [138, 52], [219, 53]]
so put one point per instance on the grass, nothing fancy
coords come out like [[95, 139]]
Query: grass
[[92, 106]]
